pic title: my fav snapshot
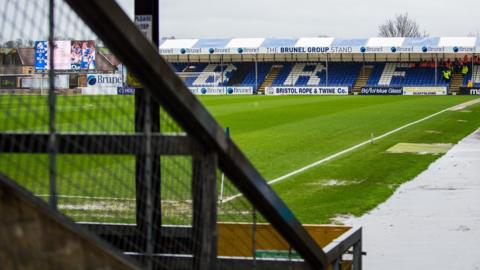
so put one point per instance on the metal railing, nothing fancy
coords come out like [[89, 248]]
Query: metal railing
[[164, 121]]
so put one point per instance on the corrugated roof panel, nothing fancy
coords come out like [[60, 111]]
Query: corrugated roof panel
[[279, 42], [434, 44], [385, 42], [427, 41], [212, 43], [245, 43], [178, 43], [457, 42], [314, 42], [349, 42]]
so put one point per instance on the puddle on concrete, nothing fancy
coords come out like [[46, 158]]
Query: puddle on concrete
[[341, 219], [465, 105], [420, 148], [335, 182], [425, 187], [462, 228], [430, 131]]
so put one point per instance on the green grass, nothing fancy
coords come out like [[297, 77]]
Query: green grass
[[281, 134], [370, 175], [292, 132], [278, 134]]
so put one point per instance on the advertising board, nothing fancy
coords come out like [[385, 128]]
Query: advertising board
[[68, 55], [424, 90], [307, 90], [379, 90], [469, 91]]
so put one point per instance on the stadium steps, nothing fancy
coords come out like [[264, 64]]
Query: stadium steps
[[362, 79], [272, 75], [37, 237], [456, 82], [189, 68], [239, 74]]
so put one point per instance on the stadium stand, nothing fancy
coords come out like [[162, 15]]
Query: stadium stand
[[283, 74], [238, 75], [362, 78], [404, 74], [263, 69], [272, 74], [203, 74], [243, 74], [456, 82], [222, 75], [328, 61], [234, 74], [355, 74], [473, 75], [189, 68], [315, 74]]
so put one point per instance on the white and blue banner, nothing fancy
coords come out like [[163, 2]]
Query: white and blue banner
[[320, 45], [104, 80], [424, 90], [208, 90], [239, 90], [222, 90], [103, 84], [41, 55], [307, 90]]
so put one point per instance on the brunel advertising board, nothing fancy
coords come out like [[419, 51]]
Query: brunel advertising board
[[104, 80], [103, 84], [221, 90]]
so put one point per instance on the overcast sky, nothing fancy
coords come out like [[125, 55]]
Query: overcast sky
[[297, 18], [27, 19]]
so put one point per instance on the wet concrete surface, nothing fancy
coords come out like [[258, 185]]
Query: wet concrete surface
[[431, 222]]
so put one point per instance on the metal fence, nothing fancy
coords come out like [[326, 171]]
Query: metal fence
[[143, 170]]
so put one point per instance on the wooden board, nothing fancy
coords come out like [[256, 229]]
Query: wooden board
[[236, 239]]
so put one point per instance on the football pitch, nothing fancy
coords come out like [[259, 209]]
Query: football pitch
[[279, 135]]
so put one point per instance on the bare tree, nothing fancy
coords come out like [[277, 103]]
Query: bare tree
[[401, 26], [475, 33]]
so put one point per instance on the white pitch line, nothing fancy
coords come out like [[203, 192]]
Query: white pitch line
[[88, 197], [316, 163], [107, 198]]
